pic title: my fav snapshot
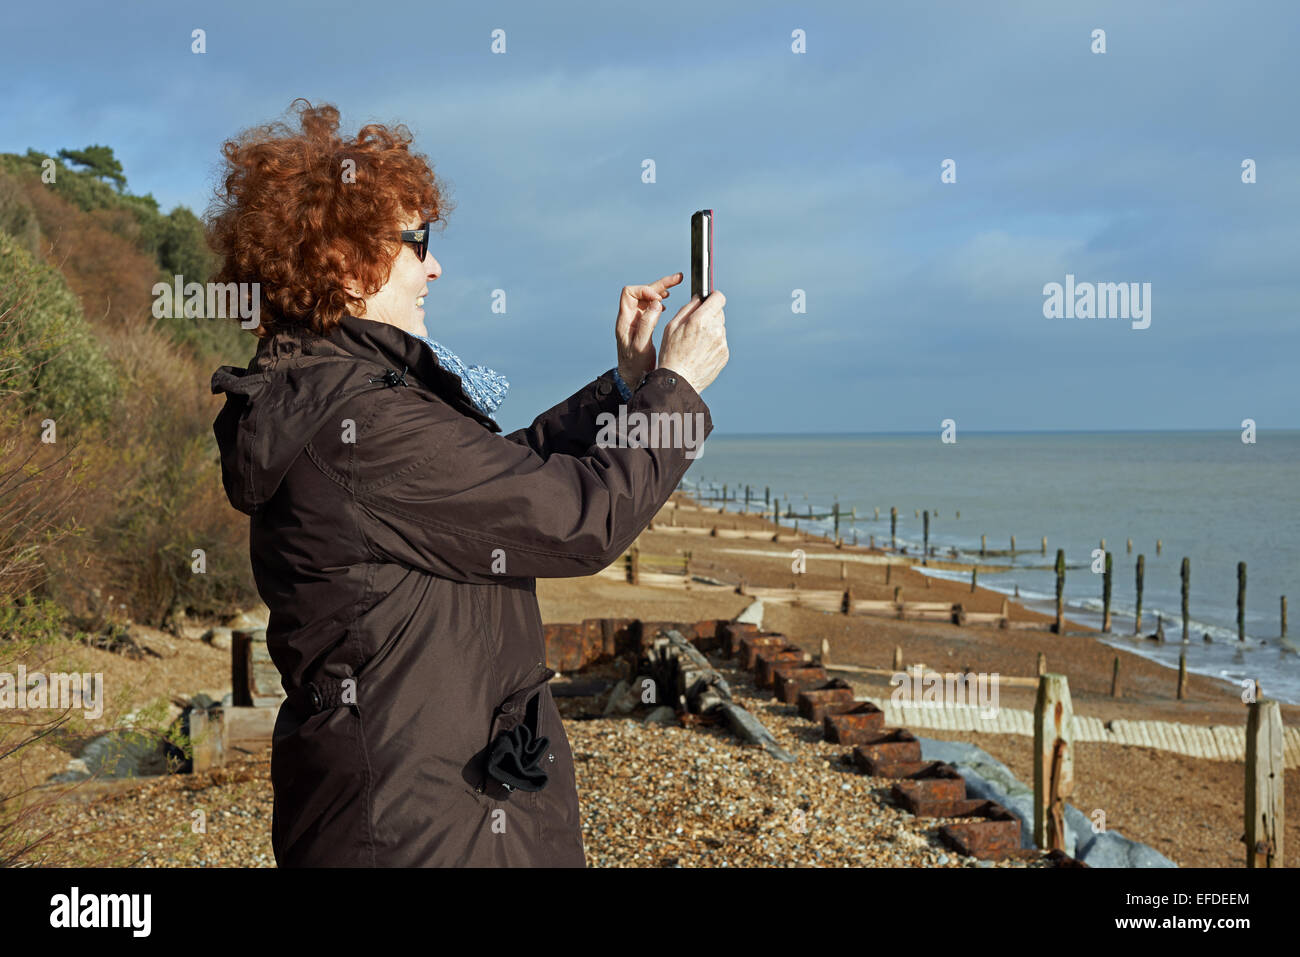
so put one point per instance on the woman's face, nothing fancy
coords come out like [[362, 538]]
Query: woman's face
[[400, 301]]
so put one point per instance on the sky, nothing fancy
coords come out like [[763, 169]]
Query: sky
[[924, 298]]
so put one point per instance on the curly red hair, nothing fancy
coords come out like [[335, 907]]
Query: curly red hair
[[286, 216]]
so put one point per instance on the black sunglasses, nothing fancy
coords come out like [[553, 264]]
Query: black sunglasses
[[419, 238]]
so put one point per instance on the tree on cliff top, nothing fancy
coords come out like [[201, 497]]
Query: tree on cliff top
[[99, 161]]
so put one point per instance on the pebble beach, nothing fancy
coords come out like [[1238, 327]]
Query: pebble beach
[[665, 795]]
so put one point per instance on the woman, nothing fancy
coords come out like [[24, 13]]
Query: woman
[[395, 535]]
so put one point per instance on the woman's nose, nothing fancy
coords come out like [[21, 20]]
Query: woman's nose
[[432, 268]]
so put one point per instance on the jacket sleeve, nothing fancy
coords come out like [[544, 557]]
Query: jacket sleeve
[[438, 492], [570, 427]]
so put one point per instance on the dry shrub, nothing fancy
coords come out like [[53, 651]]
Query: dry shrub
[[113, 279]]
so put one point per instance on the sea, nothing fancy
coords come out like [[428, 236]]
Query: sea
[[1205, 496]]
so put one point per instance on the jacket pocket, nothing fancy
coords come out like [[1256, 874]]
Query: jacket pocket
[[515, 758]]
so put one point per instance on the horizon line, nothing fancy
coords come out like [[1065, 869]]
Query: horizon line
[[1153, 431]]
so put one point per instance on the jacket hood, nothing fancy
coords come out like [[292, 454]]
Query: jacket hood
[[295, 384]]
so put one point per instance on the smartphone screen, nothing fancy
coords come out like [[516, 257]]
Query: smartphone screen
[[702, 253]]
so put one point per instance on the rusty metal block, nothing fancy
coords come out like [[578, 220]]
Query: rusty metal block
[[888, 768], [731, 632], [790, 679], [855, 725], [708, 634], [617, 636], [834, 695], [565, 646], [889, 745], [911, 797], [992, 833], [751, 645], [768, 657], [650, 631], [1062, 859]]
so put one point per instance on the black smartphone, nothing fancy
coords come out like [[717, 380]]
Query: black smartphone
[[702, 253]]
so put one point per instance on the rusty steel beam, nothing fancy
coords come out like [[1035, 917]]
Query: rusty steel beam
[[766, 658], [730, 633], [751, 645], [790, 679], [991, 834], [834, 695], [890, 745], [854, 725]]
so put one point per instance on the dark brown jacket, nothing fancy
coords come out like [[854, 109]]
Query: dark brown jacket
[[396, 537]]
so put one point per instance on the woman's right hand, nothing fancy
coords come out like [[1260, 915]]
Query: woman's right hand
[[694, 343]]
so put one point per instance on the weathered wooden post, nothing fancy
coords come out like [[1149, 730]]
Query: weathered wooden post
[[634, 565], [844, 570], [206, 738], [1053, 760], [877, 514], [824, 658], [1114, 679], [1042, 664], [974, 577], [767, 496], [1103, 544], [1186, 574], [1159, 546], [1141, 574], [983, 545], [835, 516], [893, 528], [1241, 601], [776, 513], [871, 543], [925, 549], [846, 603], [1284, 616], [1059, 626], [1182, 676], [1265, 809], [1105, 593], [889, 568], [1044, 544], [1128, 546], [1013, 545]]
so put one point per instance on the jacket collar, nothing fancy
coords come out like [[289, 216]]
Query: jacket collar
[[379, 344]]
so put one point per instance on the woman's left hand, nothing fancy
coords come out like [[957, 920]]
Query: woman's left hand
[[639, 309]]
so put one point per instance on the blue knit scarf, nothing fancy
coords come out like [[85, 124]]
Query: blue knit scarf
[[485, 387]]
